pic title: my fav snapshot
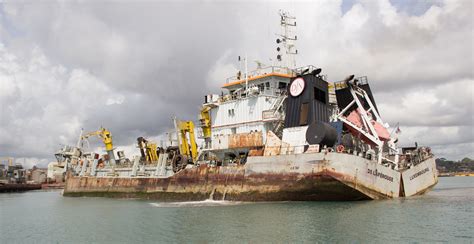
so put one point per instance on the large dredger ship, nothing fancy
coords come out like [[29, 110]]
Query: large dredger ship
[[277, 133]]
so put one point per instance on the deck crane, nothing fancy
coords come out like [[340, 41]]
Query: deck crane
[[183, 129], [106, 137], [205, 123], [148, 150]]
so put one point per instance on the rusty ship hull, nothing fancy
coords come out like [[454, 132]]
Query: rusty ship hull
[[300, 177], [18, 187]]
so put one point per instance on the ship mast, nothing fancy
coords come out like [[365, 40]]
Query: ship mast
[[286, 41]]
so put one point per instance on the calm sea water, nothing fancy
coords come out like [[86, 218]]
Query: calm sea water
[[443, 215]]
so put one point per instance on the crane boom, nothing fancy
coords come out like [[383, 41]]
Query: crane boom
[[106, 137], [184, 128]]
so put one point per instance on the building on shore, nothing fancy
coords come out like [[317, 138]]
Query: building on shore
[[56, 172], [38, 175]]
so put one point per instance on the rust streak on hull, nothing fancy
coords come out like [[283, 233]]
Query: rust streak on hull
[[199, 183]]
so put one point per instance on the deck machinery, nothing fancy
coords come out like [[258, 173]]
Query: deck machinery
[[276, 133]]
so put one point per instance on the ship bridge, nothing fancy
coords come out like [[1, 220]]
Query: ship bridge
[[271, 80], [252, 104]]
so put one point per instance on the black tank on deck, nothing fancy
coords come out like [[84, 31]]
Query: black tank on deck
[[321, 133]]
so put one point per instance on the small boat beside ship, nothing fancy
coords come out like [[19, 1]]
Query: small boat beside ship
[[277, 133]]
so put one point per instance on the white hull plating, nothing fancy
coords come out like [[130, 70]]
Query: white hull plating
[[370, 178], [420, 178]]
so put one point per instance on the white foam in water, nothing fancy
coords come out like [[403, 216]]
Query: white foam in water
[[205, 203]]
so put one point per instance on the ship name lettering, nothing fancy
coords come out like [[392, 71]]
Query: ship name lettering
[[380, 174], [419, 173]]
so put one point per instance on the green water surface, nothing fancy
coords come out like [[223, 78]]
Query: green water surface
[[445, 214]]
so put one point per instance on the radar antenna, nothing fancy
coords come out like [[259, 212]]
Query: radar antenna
[[286, 41]]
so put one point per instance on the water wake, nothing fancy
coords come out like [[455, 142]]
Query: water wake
[[205, 203]]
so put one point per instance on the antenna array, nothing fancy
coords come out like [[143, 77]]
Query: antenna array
[[286, 49]]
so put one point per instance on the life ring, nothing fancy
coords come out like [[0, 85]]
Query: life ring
[[340, 148]]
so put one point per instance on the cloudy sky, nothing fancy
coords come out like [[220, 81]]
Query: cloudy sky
[[131, 66]]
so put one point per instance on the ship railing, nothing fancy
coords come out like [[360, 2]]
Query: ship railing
[[242, 94], [361, 80], [309, 69], [415, 157], [287, 149], [294, 149], [271, 114], [259, 72], [273, 69]]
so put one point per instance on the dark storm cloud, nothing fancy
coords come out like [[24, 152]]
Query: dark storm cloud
[[155, 56], [132, 45]]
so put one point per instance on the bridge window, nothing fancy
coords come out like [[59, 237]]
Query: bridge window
[[282, 85]]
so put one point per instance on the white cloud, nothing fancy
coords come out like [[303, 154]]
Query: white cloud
[[44, 104], [116, 99], [130, 67], [449, 104], [221, 70]]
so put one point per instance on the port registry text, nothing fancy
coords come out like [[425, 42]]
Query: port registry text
[[380, 174], [419, 173]]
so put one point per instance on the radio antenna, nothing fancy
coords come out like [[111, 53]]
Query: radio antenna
[[287, 41]]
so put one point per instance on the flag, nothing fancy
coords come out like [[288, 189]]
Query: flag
[[398, 131]]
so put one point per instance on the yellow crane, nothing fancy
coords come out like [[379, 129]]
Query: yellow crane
[[148, 149], [106, 137], [205, 119], [185, 128]]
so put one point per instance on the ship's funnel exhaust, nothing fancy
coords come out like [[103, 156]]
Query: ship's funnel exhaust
[[349, 78], [304, 71], [316, 72]]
